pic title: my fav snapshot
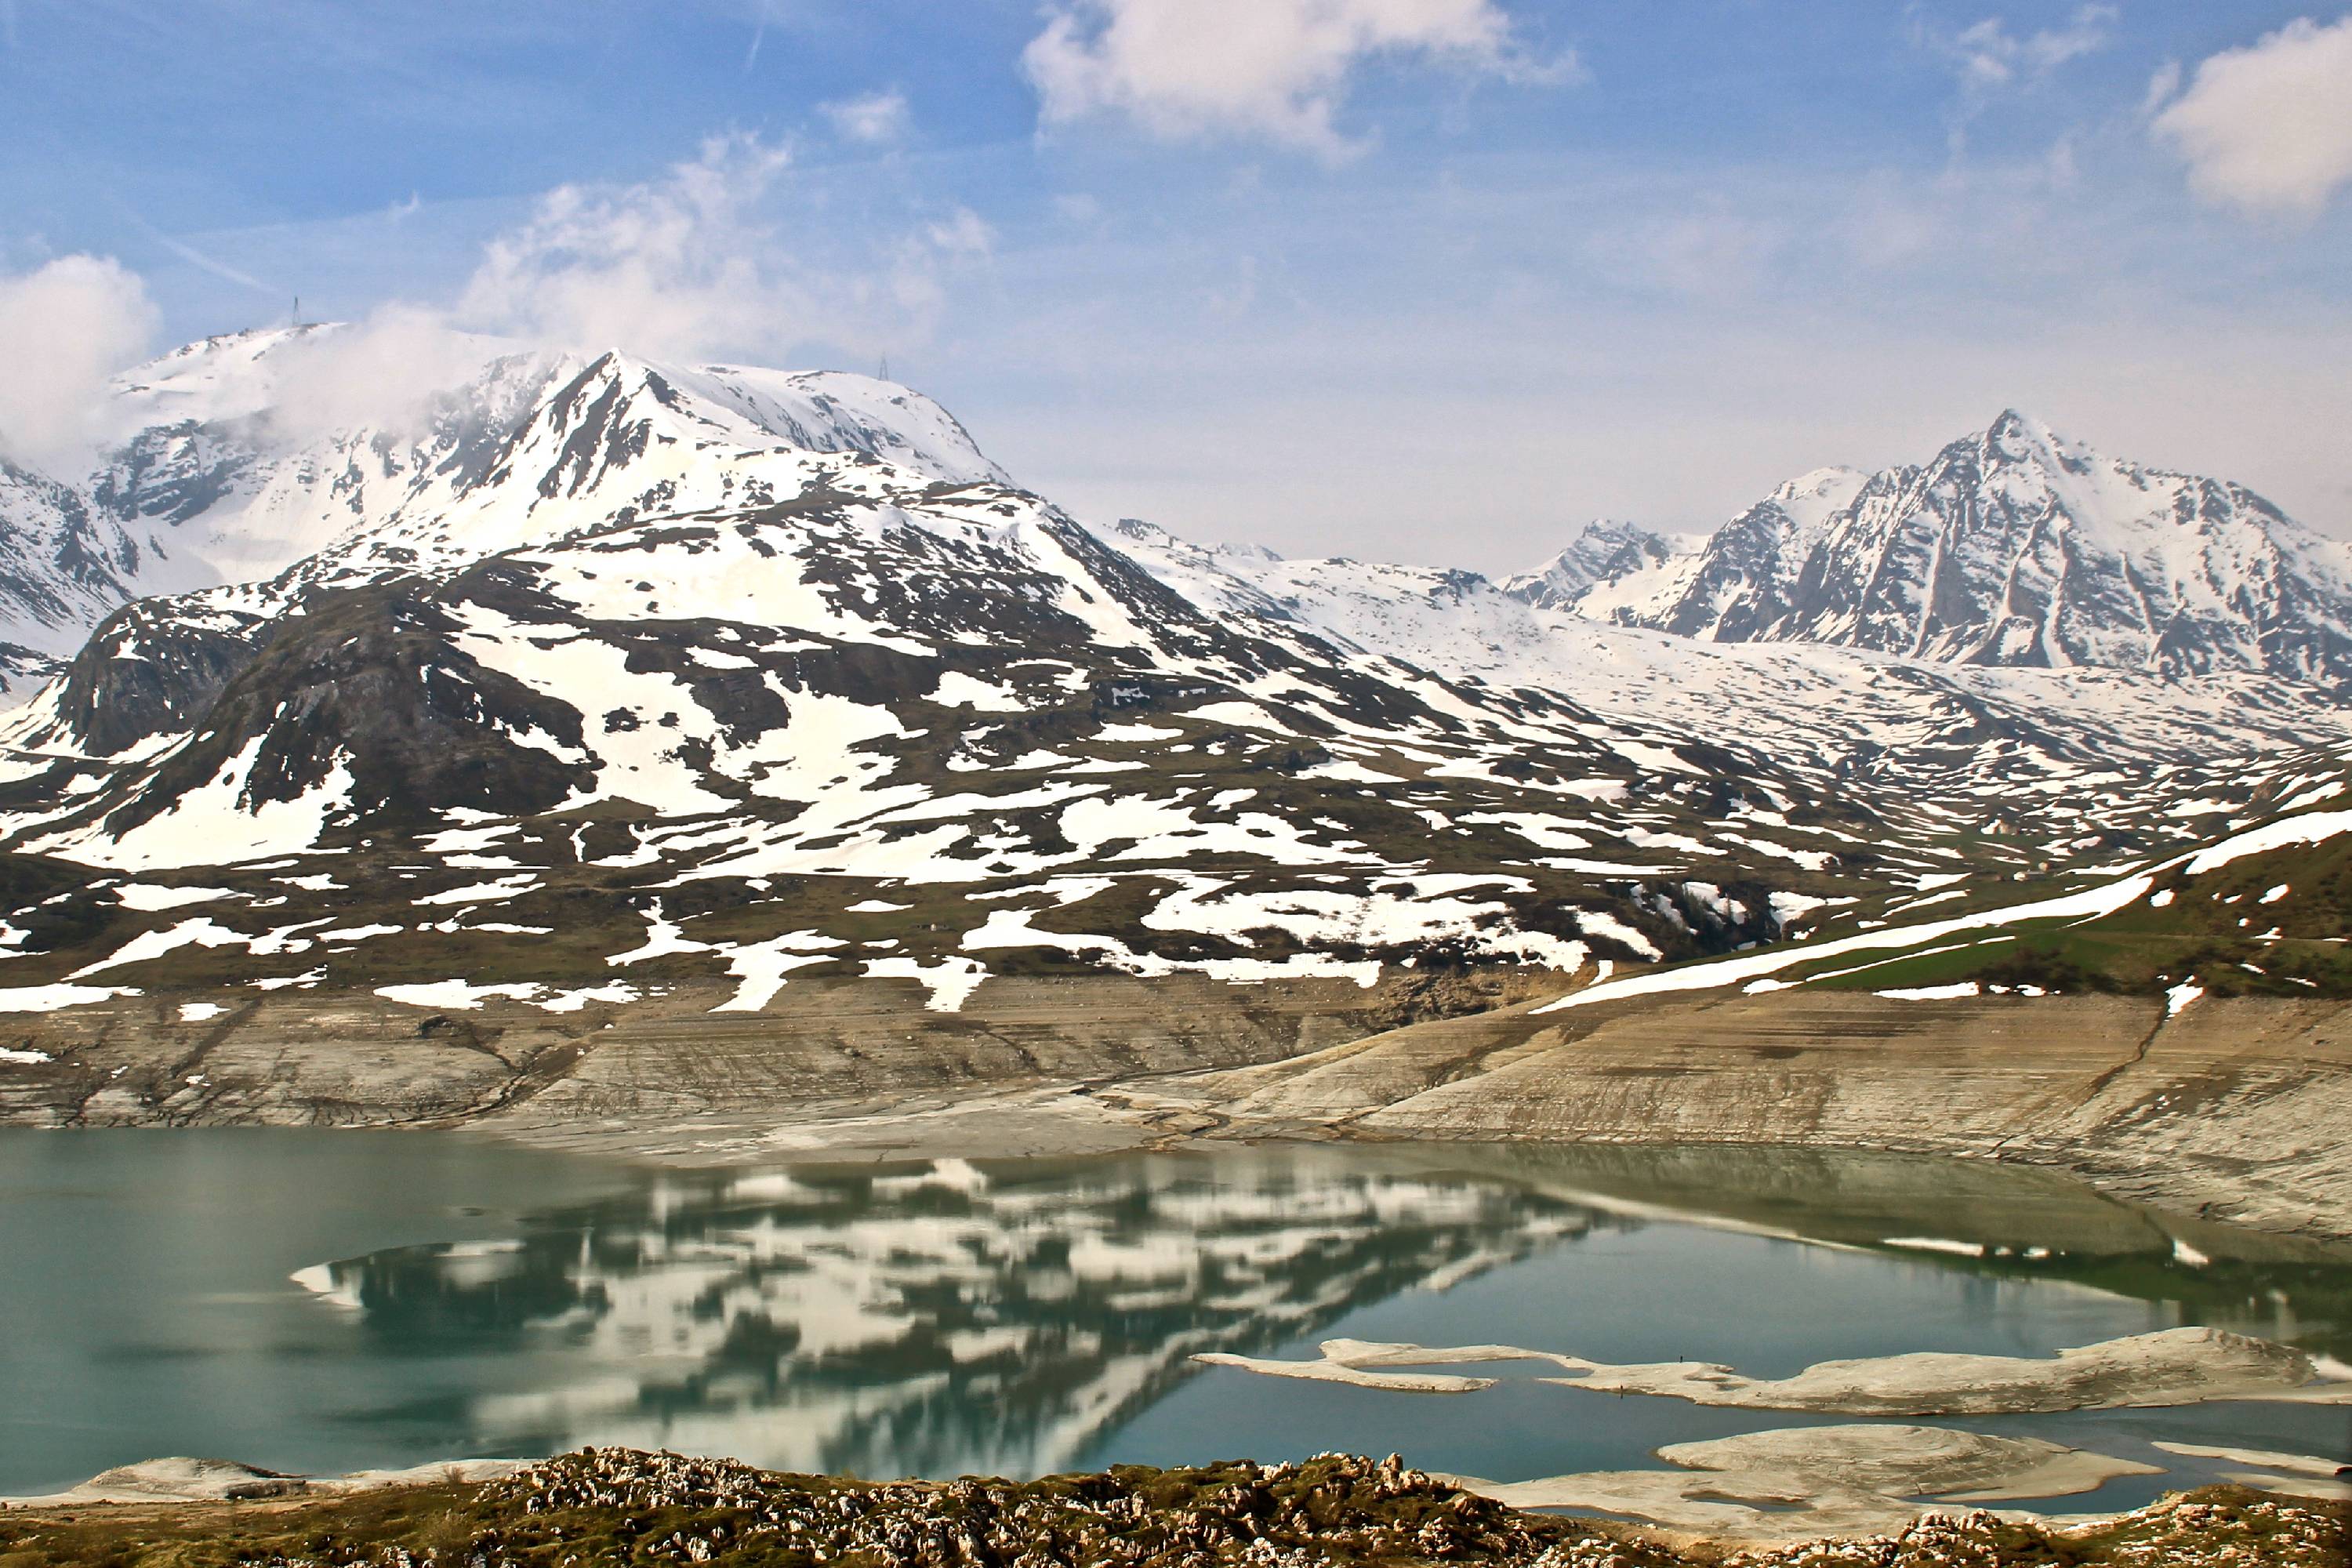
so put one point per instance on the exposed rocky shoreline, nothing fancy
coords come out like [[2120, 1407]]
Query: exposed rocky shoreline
[[625, 1506], [2229, 1111]]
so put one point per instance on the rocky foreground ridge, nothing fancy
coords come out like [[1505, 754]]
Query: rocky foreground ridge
[[618, 1506]]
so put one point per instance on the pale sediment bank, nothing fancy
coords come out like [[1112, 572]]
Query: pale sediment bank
[[2292, 1464], [2172, 1366], [185, 1480], [1801, 1482], [2231, 1110], [2290, 1475]]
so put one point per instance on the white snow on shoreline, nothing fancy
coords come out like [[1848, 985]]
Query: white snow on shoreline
[[1934, 1243], [147, 897], [950, 982], [761, 967], [320, 1279], [464, 996], [49, 998]]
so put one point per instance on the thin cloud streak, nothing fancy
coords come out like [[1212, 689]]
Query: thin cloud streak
[[194, 257]]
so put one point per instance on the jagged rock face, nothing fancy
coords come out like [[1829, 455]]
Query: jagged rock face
[[62, 566], [171, 473], [2015, 547]]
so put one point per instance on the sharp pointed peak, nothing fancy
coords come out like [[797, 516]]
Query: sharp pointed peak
[[2019, 436], [2016, 425]]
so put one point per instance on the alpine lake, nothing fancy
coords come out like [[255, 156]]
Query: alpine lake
[[324, 1301]]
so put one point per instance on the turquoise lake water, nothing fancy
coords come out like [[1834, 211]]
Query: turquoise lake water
[[326, 1301]]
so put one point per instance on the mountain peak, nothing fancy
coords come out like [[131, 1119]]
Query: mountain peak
[[1812, 497], [1606, 550], [2017, 545], [2018, 436]]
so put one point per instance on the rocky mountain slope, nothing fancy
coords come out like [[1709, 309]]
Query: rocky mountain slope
[[590, 677], [2013, 546]]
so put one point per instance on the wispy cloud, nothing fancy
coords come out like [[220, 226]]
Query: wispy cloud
[[1714, 253], [2266, 129], [964, 234], [1276, 69], [199, 260], [1989, 58], [1987, 55], [874, 118], [685, 265]]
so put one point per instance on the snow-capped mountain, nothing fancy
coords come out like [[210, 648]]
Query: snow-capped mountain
[[2013, 546], [602, 676], [1608, 551], [226, 471]]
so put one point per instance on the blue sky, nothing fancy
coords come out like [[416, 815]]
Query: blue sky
[[1431, 280]]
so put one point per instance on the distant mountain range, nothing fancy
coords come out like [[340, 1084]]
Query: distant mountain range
[[591, 673], [2013, 546]]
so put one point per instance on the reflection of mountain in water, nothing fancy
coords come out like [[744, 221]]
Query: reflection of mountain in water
[[1996, 1221], [938, 1322]]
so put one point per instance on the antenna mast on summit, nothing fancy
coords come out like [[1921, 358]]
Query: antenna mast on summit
[[298, 310], [885, 368]]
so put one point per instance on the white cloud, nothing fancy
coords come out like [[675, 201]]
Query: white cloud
[[1988, 56], [385, 372], [919, 276], [876, 119], [682, 267], [695, 265], [965, 234], [64, 330], [1276, 69], [2268, 129]]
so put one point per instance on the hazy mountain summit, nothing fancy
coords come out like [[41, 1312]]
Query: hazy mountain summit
[[238, 456], [1608, 552], [2012, 546]]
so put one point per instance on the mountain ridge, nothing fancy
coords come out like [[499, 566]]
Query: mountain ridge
[[212, 483], [625, 675], [2010, 546]]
